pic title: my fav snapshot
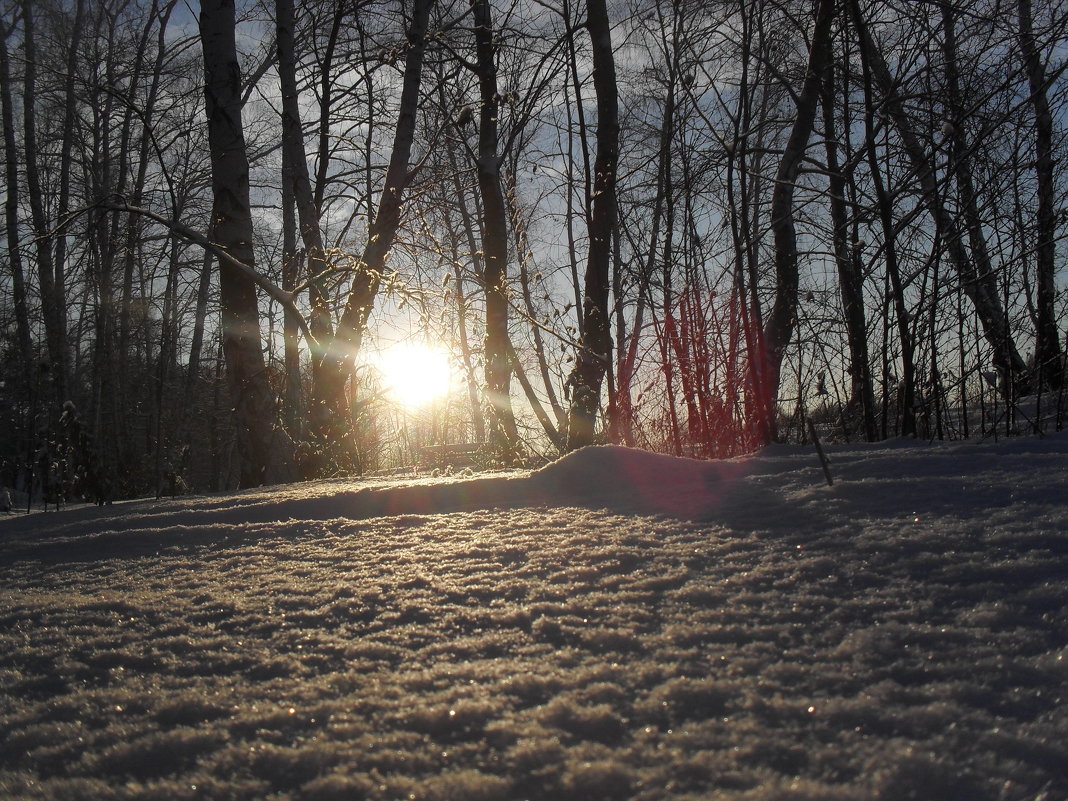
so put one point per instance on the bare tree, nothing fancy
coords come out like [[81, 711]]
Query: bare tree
[[595, 338], [370, 269], [1049, 357], [50, 267], [847, 259], [779, 327], [11, 211], [979, 285], [503, 435], [253, 403], [297, 185]]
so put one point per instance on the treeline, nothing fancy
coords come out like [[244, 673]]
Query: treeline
[[689, 226]]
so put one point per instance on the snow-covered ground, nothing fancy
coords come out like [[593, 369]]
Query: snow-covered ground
[[616, 625]]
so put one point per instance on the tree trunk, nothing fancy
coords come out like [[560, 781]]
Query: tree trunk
[[624, 411], [253, 404], [326, 94], [478, 423], [325, 407], [1049, 358], [572, 181], [551, 431], [595, 339], [779, 327], [11, 217], [49, 273], [459, 202], [745, 167], [503, 435], [906, 389], [292, 413], [196, 342], [862, 391]]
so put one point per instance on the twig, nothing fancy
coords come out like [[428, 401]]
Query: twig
[[825, 463]]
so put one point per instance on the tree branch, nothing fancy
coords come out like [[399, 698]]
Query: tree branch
[[286, 299]]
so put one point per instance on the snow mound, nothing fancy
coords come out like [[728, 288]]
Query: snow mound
[[607, 477], [634, 481]]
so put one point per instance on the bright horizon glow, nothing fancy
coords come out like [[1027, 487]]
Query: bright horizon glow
[[415, 374]]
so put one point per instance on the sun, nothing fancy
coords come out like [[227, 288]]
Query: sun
[[415, 374]]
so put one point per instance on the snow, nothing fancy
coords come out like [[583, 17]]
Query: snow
[[616, 625]]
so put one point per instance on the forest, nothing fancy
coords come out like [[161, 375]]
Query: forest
[[694, 227]]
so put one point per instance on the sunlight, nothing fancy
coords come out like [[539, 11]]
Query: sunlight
[[414, 374]]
